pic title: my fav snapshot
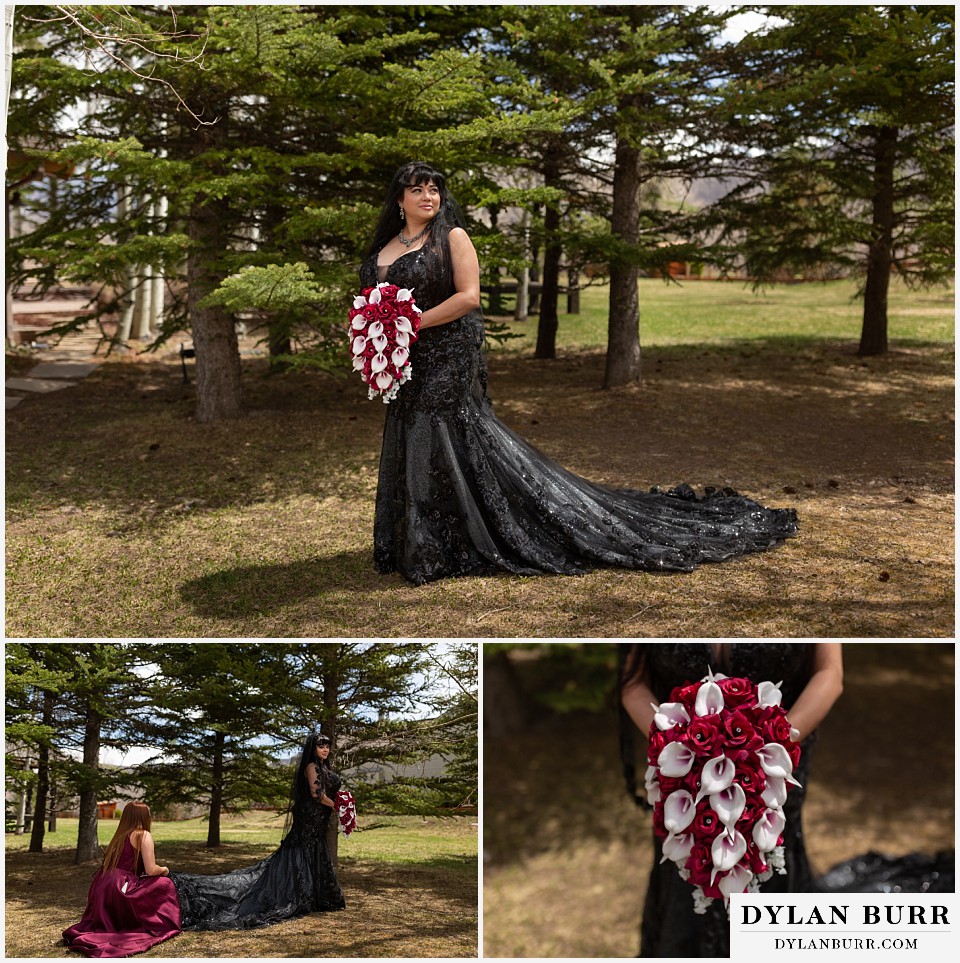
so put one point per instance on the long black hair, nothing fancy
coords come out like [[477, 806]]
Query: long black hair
[[301, 794], [447, 217]]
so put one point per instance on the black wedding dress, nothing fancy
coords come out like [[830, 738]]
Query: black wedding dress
[[459, 493], [670, 928], [295, 880]]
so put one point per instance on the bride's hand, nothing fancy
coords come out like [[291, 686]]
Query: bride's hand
[[326, 800]]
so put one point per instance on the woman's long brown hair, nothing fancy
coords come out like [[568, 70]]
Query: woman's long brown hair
[[135, 815]]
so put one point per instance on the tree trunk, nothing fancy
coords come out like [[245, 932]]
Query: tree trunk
[[873, 335], [54, 806], [522, 309], [216, 792], [505, 708], [549, 291], [218, 373], [278, 331], [22, 804], [573, 289], [623, 338], [43, 781], [88, 844]]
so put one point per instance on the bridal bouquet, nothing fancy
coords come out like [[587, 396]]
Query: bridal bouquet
[[384, 322], [721, 763], [346, 811]]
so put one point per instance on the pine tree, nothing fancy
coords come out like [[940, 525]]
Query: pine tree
[[841, 122]]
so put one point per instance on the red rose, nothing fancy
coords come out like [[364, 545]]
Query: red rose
[[385, 310], [736, 692], [700, 864], [776, 729], [706, 824], [793, 748], [691, 781], [669, 784], [658, 827], [755, 861], [687, 694], [704, 736], [740, 733], [749, 773], [656, 745], [369, 312]]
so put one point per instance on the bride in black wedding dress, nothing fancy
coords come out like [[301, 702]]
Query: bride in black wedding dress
[[459, 493], [297, 879]]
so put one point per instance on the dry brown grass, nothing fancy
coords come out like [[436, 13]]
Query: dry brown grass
[[126, 518], [567, 855], [394, 909]]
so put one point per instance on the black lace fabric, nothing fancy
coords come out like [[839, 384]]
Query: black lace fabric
[[459, 493], [295, 880]]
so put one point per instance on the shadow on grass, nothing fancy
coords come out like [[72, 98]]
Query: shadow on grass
[[125, 438], [421, 909], [264, 589]]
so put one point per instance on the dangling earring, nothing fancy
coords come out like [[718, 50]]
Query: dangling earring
[[403, 216]]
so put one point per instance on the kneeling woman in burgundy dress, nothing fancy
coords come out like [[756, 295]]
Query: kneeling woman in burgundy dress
[[132, 904]]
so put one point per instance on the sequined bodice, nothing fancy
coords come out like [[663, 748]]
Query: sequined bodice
[[446, 361]]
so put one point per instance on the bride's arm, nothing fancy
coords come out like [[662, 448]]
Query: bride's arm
[[821, 691], [638, 700], [313, 781], [466, 280], [147, 855]]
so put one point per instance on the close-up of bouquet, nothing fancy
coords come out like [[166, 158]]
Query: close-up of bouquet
[[384, 323], [346, 811], [721, 758]]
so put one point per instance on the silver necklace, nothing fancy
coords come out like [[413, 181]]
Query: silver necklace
[[407, 241]]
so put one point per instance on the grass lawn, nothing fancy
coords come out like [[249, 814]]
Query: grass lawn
[[125, 518], [410, 885]]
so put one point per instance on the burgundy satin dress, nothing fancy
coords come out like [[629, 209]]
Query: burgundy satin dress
[[126, 913]]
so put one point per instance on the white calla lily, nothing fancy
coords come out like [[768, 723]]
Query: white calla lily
[[404, 294], [399, 357], [652, 785], [736, 881], [375, 329], [774, 793], [769, 694], [675, 760], [679, 810], [378, 363], [374, 296], [767, 829], [718, 774], [727, 850], [359, 301], [403, 324], [677, 848], [359, 343], [380, 343], [384, 380], [358, 363], [709, 700], [670, 714], [358, 323], [729, 804], [776, 761], [403, 339]]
